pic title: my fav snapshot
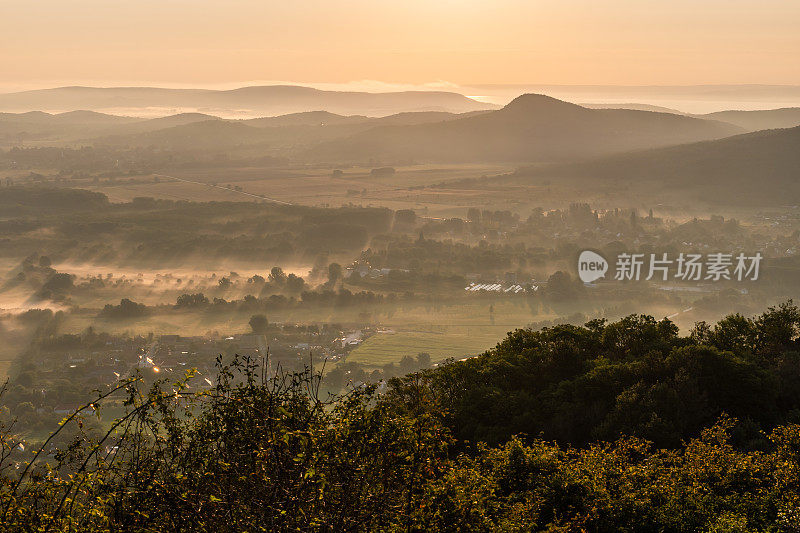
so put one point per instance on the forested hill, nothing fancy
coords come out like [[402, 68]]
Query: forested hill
[[758, 168], [637, 376], [260, 454]]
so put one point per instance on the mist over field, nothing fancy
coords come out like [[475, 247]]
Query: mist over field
[[476, 266]]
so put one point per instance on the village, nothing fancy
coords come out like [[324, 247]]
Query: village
[[68, 365]]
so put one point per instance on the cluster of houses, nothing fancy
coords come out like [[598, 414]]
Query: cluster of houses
[[509, 285], [164, 354], [363, 270], [499, 287]]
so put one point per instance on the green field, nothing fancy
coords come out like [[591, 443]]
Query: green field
[[412, 187], [384, 348]]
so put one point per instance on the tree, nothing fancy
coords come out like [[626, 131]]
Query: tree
[[57, 285], [423, 360], [295, 284], [407, 365], [405, 217], [258, 324], [126, 309], [191, 300], [561, 286], [277, 276], [334, 273]]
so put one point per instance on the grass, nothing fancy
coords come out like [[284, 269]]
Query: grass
[[384, 348], [300, 185]]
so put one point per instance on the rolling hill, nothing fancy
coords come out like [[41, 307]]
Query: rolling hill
[[90, 127], [306, 118], [636, 107], [325, 118], [787, 117], [38, 125], [206, 134], [285, 131], [761, 168], [530, 128], [246, 101]]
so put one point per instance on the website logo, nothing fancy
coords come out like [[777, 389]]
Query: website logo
[[591, 266], [663, 267]]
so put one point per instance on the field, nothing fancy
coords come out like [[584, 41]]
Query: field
[[438, 191], [409, 188], [383, 348], [444, 325]]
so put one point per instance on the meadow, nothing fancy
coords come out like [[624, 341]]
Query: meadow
[[412, 187]]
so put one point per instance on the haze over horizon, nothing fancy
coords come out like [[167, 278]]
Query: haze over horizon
[[691, 99], [416, 43]]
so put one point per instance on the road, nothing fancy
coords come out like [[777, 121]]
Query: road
[[251, 195], [673, 315]]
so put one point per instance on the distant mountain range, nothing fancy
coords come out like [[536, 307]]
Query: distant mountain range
[[246, 101], [184, 129], [761, 168], [530, 128]]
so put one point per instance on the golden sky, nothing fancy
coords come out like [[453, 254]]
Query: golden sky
[[415, 42]]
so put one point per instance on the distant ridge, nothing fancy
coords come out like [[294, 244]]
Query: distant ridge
[[269, 100], [636, 107], [295, 129], [80, 116], [532, 127], [38, 125], [306, 118], [787, 117], [761, 168]]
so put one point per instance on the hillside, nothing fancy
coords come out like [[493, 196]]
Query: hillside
[[307, 118], [636, 107], [530, 128], [325, 118], [189, 130], [422, 117], [154, 124], [253, 101], [212, 133], [750, 169], [38, 125], [766, 119], [79, 117]]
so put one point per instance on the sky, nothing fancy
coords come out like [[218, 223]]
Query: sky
[[403, 43]]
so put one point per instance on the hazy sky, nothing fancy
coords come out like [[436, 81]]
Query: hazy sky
[[204, 42]]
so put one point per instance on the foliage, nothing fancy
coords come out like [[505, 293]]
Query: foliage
[[125, 309], [260, 452], [636, 376]]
